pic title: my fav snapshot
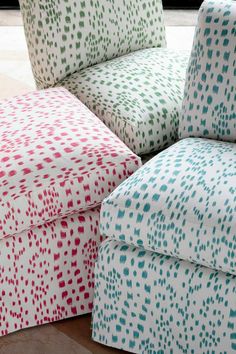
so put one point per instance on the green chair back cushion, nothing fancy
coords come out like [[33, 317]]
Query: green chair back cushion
[[65, 36]]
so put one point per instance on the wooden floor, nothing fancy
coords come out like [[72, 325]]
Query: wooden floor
[[72, 336]]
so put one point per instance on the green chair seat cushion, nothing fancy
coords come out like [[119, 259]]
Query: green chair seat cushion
[[181, 203], [138, 96]]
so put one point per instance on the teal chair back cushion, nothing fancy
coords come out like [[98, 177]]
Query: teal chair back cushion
[[209, 108], [65, 36]]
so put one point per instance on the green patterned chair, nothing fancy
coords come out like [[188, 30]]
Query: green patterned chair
[[111, 54], [166, 276]]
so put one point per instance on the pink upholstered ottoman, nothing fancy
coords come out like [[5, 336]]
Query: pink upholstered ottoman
[[57, 163]]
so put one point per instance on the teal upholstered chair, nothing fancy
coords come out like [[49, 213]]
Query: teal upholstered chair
[[111, 54], [166, 276]]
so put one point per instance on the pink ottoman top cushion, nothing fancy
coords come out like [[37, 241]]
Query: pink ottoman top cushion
[[56, 158]]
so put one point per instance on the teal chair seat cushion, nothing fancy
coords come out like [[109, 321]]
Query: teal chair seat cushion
[[138, 96], [181, 203]]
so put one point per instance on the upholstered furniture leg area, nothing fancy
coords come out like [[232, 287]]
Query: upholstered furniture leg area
[[112, 56], [165, 281], [47, 273], [146, 302], [58, 162]]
